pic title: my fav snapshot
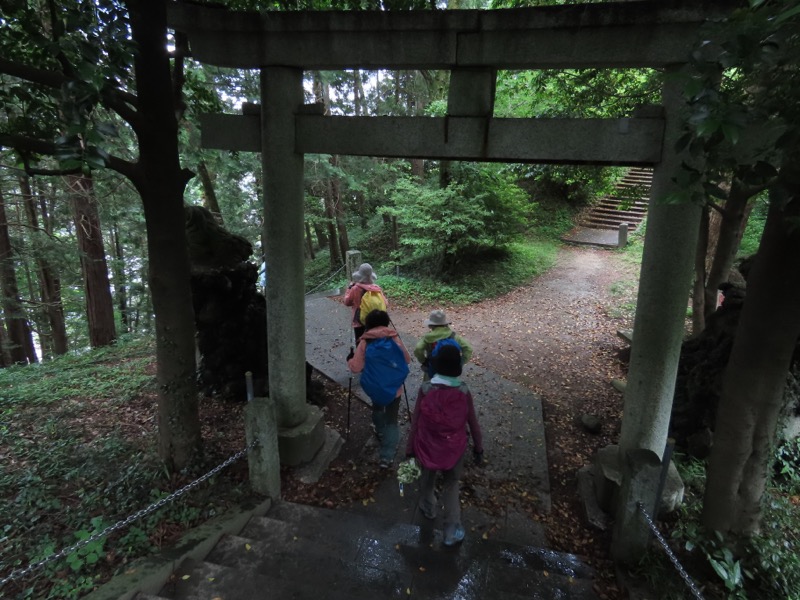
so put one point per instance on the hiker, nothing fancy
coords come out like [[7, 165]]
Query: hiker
[[438, 439], [364, 296], [382, 360], [439, 330]]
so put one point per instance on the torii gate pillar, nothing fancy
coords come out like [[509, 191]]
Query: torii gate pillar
[[300, 426], [658, 328]]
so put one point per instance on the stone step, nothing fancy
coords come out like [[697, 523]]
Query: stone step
[[639, 203], [317, 523], [341, 554], [638, 177], [305, 561], [201, 580], [613, 212], [606, 221]]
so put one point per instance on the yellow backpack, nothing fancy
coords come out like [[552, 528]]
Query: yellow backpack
[[370, 301]]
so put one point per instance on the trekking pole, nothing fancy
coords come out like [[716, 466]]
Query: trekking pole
[[405, 392], [349, 395], [350, 388]]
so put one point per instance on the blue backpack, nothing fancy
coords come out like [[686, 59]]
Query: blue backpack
[[448, 341], [385, 370]]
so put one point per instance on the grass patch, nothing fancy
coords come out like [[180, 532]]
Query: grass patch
[[474, 282]]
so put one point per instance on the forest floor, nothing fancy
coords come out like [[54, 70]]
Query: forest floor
[[555, 335]]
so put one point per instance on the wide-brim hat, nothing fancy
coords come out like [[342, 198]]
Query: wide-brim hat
[[364, 274], [437, 317]]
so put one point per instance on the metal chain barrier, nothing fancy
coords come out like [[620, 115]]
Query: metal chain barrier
[[684, 575], [326, 281], [17, 574]]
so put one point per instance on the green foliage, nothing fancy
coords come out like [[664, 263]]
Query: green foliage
[[441, 228], [765, 566], [742, 114], [787, 465], [581, 93], [572, 185], [91, 552], [491, 276], [751, 237]]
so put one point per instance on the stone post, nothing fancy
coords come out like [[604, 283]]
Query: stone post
[[622, 235], [301, 429], [665, 281], [261, 426], [630, 532], [352, 261]]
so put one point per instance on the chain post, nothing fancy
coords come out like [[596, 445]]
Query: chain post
[[681, 571]]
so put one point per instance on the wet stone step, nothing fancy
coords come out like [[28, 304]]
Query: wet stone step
[[196, 580], [300, 563], [325, 524]]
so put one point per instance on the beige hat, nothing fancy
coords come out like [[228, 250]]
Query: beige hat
[[437, 318]]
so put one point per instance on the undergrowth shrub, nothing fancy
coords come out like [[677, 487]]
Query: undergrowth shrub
[[765, 566]]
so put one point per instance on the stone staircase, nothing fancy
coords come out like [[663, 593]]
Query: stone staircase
[[302, 552], [626, 204]]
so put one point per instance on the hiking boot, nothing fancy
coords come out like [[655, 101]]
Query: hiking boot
[[385, 464], [429, 512], [456, 538]]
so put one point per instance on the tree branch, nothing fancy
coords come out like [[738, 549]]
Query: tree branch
[[27, 146], [121, 102], [716, 207], [50, 79]]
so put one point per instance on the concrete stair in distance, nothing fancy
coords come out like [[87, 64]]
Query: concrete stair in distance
[[627, 204], [302, 552]]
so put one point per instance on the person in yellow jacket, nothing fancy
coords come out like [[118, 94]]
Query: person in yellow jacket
[[439, 330]]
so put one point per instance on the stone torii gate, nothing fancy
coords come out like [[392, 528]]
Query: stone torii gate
[[472, 45]]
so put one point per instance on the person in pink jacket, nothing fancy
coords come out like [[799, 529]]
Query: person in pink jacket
[[438, 439], [384, 418], [364, 279]]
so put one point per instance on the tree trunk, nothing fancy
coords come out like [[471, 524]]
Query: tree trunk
[[418, 168], [309, 241], [99, 304], [362, 209], [445, 175], [322, 237], [209, 195], [118, 275], [698, 291], [358, 93], [330, 214], [5, 357], [49, 282], [755, 376], [729, 237], [20, 339], [338, 203], [160, 180]]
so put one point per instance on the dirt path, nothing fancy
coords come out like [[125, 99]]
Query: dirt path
[[557, 336]]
